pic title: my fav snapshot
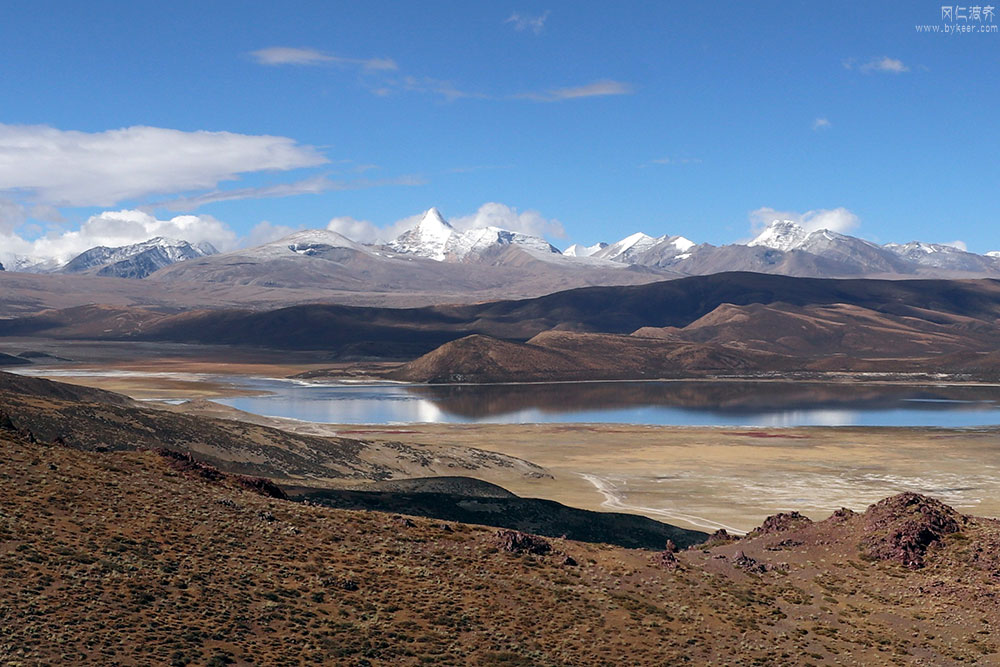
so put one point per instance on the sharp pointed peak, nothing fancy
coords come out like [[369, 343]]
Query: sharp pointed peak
[[432, 216]]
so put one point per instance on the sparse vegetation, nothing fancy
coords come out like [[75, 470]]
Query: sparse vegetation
[[121, 556]]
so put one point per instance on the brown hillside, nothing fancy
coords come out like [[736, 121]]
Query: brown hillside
[[484, 359], [823, 330], [562, 355], [126, 558]]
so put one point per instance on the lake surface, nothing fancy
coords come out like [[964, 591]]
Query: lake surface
[[681, 403]]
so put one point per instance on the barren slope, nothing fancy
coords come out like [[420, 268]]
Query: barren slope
[[129, 558]]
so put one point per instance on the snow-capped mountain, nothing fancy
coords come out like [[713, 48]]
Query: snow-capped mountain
[[944, 256], [306, 243], [577, 250], [428, 239], [781, 235], [668, 251], [137, 260], [435, 239], [25, 264], [644, 250], [428, 251], [628, 248], [864, 257]]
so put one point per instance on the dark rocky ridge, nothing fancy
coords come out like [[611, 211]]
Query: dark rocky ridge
[[486, 506]]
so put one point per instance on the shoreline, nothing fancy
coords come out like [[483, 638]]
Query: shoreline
[[701, 477]]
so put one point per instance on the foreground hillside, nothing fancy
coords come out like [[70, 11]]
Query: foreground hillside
[[136, 558], [95, 419]]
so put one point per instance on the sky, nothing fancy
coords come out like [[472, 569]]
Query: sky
[[237, 122]]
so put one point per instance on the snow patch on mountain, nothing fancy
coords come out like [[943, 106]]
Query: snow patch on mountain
[[917, 250], [682, 244], [433, 237], [577, 250], [628, 248], [427, 239], [306, 243], [782, 235], [137, 260]]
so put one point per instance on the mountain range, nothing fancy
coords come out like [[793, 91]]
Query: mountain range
[[784, 247], [436, 263], [137, 260]]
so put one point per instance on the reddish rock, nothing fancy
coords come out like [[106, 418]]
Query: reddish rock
[[842, 515], [721, 536], [748, 564], [516, 542], [780, 522], [667, 559], [902, 528], [184, 462]]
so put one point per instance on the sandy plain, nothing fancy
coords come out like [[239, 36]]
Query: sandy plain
[[705, 478]]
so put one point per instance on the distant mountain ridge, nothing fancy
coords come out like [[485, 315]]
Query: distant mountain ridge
[[436, 239], [430, 254], [137, 260]]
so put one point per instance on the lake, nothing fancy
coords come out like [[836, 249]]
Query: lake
[[680, 403]]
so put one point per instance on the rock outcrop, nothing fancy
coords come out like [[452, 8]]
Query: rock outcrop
[[903, 527]]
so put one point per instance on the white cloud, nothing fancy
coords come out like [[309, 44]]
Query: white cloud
[[822, 124], [70, 168], [387, 81], [673, 160], [507, 217], [265, 232], [426, 84], [12, 215], [524, 22], [118, 228], [836, 220], [961, 245], [364, 231], [885, 64], [289, 55], [595, 89], [312, 185]]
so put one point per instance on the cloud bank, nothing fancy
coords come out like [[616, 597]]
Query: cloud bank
[[884, 65], [522, 22], [118, 228], [595, 89], [289, 55], [70, 168]]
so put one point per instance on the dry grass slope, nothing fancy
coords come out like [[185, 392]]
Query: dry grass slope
[[121, 558]]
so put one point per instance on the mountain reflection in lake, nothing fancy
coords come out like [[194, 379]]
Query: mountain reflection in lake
[[692, 403]]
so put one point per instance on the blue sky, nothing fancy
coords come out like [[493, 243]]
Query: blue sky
[[599, 119]]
